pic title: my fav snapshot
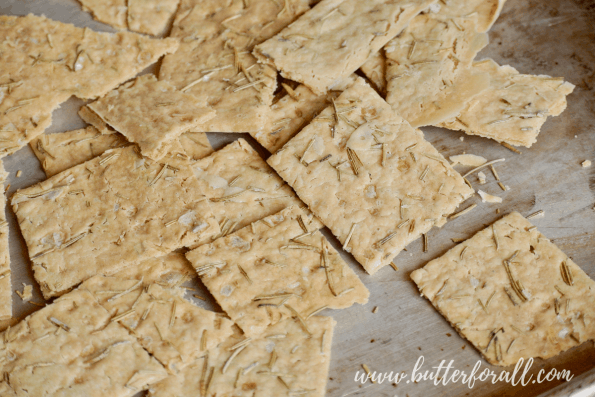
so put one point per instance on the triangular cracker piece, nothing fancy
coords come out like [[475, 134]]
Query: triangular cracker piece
[[283, 361], [512, 293], [514, 107], [429, 71], [273, 269], [5, 283], [70, 348], [335, 38], [369, 176], [56, 61], [375, 70], [214, 59], [151, 113], [172, 329], [485, 12], [109, 213]]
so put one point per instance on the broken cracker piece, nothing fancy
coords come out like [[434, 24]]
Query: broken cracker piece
[[488, 198], [485, 12], [471, 160], [384, 184], [27, 293], [284, 360], [214, 60], [274, 269], [512, 293], [108, 213], [59, 60], [5, 275], [513, 108], [151, 113], [375, 70]]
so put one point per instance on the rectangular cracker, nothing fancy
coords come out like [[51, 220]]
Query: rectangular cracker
[[57, 61], [429, 72], [151, 113], [300, 366], [274, 269], [513, 108], [375, 70], [386, 191], [485, 12], [70, 348], [5, 279], [518, 275], [108, 213], [241, 187], [214, 59], [173, 330], [335, 38]]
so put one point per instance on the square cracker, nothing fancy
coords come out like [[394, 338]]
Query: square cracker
[[428, 69], [57, 61], [70, 348], [514, 107], [242, 188], [389, 188], [300, 365], [214, 59], [532, 309], [151, 113], [108, 213], [5, 279], [274, 269], [335, 38], [173, 330]]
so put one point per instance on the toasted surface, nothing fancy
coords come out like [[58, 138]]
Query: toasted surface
[[108, 213], [69, 348], [266, 272], [375, 70], [429, 68], [57, 61], [485, 12], [551, 316], [211, 34], [301, 361], [5, 283], [241, 187], [335, 38], [166, 325], [403, 186], [514, 107], [151, 113]]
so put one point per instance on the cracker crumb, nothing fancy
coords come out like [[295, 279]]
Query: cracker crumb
[[586, 163], [19, 172], [471, 160], [375, 310], [482, 178], [488, 198], [27, 293]]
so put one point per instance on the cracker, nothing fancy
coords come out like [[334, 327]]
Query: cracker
[[294, 111], [241, 187], [57, 61], [429, 68], [375, 70], [195, 145], [5, 279], [300, 366], [485, 12], [211, 35], [168, 270], [151, 113], [151, 16], [173, 330], [335, 38], [108, 213], [539, 312], [90, 117], [70, 348], [268, 271], [514, 107], [390, 188], [110, 12]]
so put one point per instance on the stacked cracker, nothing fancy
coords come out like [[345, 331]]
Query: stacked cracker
[[138, 203]]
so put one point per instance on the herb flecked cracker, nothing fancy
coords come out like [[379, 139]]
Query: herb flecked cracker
[[168, 270], [172, 329], [428, 72], [514, 107], [108, 213], [214, 60], [485, 12], [70, 348], [335, 38], [283, 361], [512, 293], [57, 61], [370, 177], [5, 279], [151, 113], [276, 268]]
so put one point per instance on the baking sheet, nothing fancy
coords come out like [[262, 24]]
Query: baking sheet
[[554, 37]]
